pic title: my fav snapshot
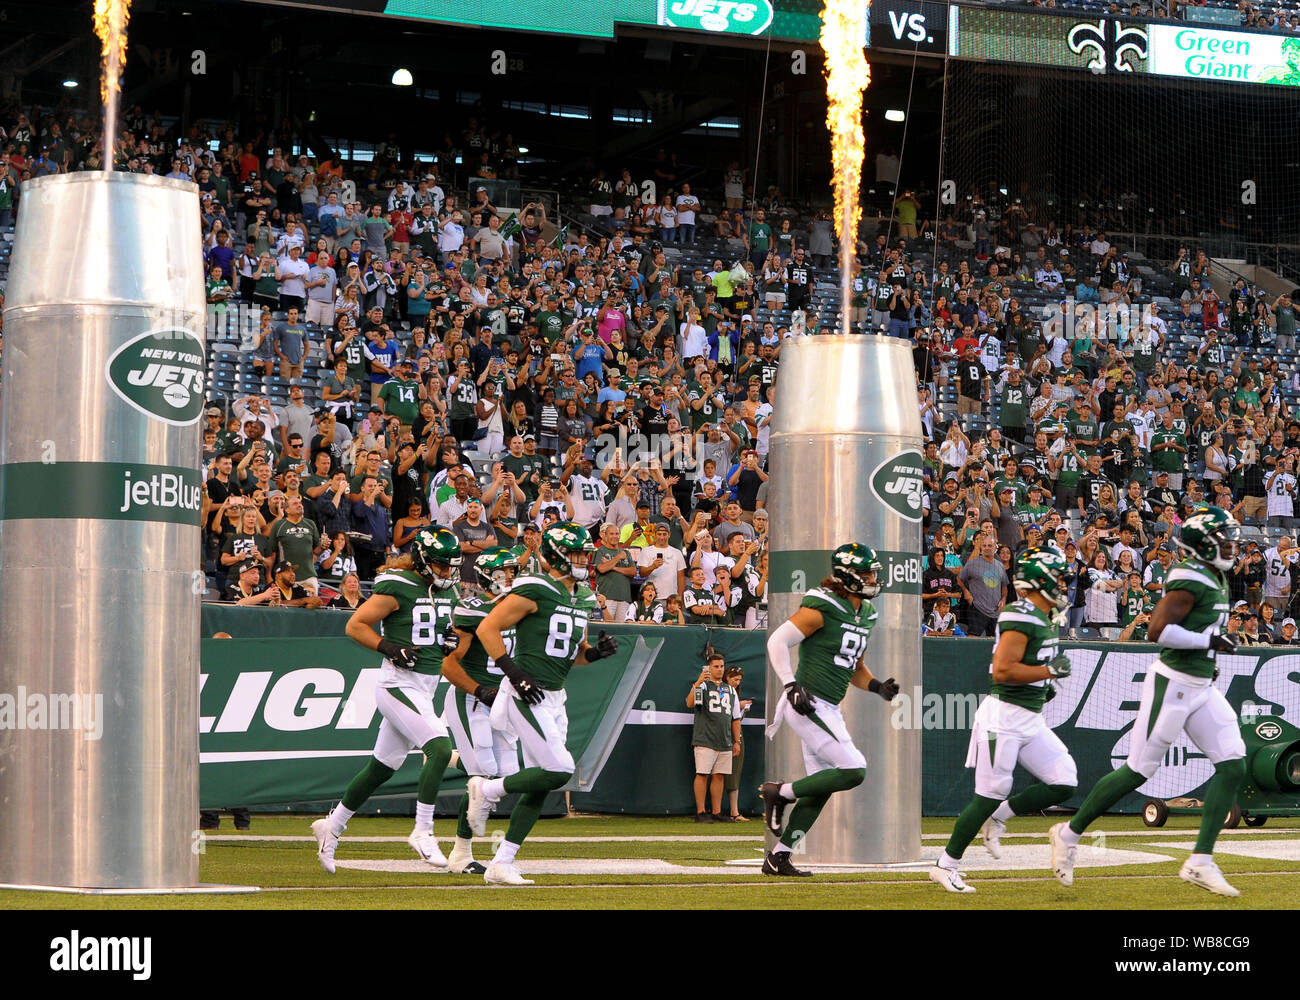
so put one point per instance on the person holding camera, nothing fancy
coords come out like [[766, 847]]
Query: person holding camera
[[663, 565], [715, 738], [248, 590]]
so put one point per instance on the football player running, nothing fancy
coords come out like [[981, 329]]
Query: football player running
[[1009, 726], [413, 598], [484, 752], [831, 629], [549, 613], [1178, 695]]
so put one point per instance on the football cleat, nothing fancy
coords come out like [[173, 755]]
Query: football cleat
[[479, 807], [426, 846], [953, 881], [1062, 856], [505, 873], [1207, 876], [326, 841], [461, 861], [779, 863], [992, 832], [773, 806]]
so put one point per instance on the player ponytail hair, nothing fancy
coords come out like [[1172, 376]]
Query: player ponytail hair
[[835, 587]]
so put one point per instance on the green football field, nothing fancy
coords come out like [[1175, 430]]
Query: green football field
[[615, 862]]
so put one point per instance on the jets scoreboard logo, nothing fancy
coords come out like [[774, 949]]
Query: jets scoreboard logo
[[733, 17], [160, 373], [898, 483], [1109, 45]]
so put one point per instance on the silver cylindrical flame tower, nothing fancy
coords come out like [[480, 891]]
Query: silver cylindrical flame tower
[[845, 465], [100, 547]]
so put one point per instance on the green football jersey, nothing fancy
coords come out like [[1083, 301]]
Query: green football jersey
[[420, 618], [1014, 406], [1136, 602], [1139, 633], [828, 657], [1207, 585], [468, 616], [718, 706], [549, 640], [1042, 642]]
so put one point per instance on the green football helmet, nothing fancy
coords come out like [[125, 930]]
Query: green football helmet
[[496, 569], [1212, 535], [851, 565], [434, 546], [1044, 570], [560, 542]]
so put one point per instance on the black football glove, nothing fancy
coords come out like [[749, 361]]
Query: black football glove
[[799, 698], [405, 657], [529, 691], [450, 641], [886, 688], [485, 694], [1050, 690], [1222, 642], [606, 645]]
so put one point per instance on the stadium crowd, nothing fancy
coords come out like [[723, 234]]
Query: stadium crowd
[[385, 357]]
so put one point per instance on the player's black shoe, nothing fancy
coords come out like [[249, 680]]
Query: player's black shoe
[[474, 868], [773, 806], [779, 863]]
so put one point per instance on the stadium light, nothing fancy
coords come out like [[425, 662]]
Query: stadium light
[[70, 83], [402, 78], [523, 149], [894, 115]]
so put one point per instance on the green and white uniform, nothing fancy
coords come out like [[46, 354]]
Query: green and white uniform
[[1178, 692], [405, 698], [547, 641], [711, 739], [1009, 727], [827, 660], [483, 750]]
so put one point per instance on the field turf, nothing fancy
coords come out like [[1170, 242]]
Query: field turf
[[290, 877]]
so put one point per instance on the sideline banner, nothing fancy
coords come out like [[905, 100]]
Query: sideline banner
[[292, 719], [285, 720]]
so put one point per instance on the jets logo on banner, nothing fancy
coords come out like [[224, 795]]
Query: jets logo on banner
[[160, 373], [898, 483]]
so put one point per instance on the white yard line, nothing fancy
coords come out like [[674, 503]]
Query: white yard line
[[738, 839], [474, 884]]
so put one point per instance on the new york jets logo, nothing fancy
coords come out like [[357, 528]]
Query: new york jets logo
[[160, 373], [736, 17], [1268, 730], [898, 482]]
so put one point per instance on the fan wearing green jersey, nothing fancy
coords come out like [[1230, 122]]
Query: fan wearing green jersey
[[1178, 695], [413, 600], [831, 629], [549, 614], [484, 752], [1009, 728]]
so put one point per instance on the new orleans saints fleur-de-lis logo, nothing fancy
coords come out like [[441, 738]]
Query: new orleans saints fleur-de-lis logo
[[1109, 44]]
